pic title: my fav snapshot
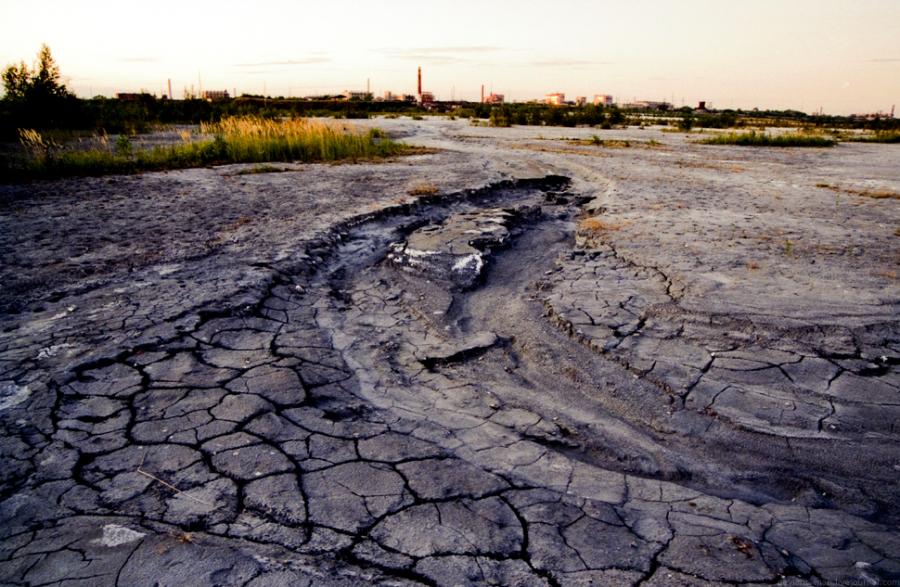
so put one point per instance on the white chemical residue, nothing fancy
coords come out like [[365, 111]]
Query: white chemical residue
[[115, 535]]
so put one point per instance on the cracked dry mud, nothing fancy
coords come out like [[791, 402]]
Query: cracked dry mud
[[574, 365]]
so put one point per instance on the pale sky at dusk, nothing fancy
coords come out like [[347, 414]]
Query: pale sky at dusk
[[842, 55]]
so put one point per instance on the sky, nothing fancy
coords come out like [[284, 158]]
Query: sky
[[842, 56]]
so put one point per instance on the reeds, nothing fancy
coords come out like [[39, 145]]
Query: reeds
[[234, 140]]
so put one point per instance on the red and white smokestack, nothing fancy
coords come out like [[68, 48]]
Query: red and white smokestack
[[420, 80]]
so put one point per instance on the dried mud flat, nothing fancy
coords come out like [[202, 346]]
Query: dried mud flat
[[657, 365]]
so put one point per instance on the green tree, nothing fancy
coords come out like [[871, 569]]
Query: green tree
[[16, 79], [38, 85]]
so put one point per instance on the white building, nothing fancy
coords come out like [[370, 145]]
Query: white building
[[555, 99]]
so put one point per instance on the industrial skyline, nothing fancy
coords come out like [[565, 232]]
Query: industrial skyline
[[840, 56]]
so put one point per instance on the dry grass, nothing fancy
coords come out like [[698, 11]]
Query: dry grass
[[874, 194], [596, 141], [734, 168], [595, 225], [561, 151], [423, 189], [752, 266]]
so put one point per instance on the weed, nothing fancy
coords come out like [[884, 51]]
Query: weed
[[761, 139], [35, 146], [123, 145], [788, 247]]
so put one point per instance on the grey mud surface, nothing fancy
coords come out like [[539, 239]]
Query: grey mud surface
[[661, 365]]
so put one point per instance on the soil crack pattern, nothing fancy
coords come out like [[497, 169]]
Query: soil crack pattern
[[458, 389]]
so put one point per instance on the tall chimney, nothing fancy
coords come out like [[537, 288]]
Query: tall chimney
[[482, 93], [171, 97], [420, 80]]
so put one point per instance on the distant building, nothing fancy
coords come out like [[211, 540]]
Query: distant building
[[391, 97], [556, 99], [580, 100], [701, 106], [354, 95], [603, 100], [426, 98], [494, 99], [215, 95]]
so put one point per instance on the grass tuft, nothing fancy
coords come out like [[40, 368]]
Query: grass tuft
[[265, 168], [761, 139]]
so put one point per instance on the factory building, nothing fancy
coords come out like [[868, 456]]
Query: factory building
[[603, 100], [356, 95], [423, 97], [215, 95]]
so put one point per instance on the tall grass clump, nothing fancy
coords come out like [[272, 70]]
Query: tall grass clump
[[234, 140], [762, 139]]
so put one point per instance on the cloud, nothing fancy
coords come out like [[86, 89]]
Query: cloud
[[442, 50], [311, 60], [440, 55]]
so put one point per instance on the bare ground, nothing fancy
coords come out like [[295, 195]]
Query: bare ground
[[660, 364]]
